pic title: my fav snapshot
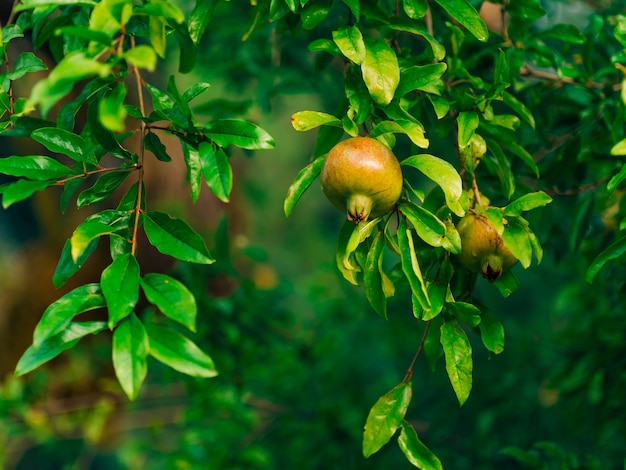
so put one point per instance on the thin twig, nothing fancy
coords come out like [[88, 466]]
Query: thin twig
[[141, 154], [409, 372]]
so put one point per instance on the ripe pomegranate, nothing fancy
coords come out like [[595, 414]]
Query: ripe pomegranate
[[362, 177]]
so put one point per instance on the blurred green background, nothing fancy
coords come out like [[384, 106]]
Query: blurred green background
[[301, 355]]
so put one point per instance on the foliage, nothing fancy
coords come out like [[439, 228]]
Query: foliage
[[464, 109]]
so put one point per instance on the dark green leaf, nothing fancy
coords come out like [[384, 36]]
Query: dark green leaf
[[179, 352], [200, 18], [372, 278], [20, 190], [130, 350], [565, 32], [417, 77], [56, 344], [415, 451], [60, 313], [120, 286], [611, 253], [103, 223], [153, 144], [26, 62], [174, 237], [415, 9], [303, 180], [187, 48], [465, 312], [67, 267], [458, 353], [34, 167], [194, 170], [385, 417], [519, 107], [172, 298], [491, 332], [216, 170], [61, 141], [411, 268], [102, 188]]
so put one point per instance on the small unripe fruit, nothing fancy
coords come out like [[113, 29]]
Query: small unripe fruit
[[482, 247], [362, 177]]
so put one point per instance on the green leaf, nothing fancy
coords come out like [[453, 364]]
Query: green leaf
[[417, 77], [34, 167], [465, 312], [458, 353], [466, 14], [372, 277], [303, 180], [385, 417], [350, 237], [519, 107], [442, 173], [411, 268], [527, 202], [153, 144], [20, 190], [240, 133], [415, 27], [179, 352], [415, 9], [61, 141], [616, 180], [200, 18], [55, 345], [614, 251], [120, 286], [414, 130], [350, 41], [60, 313], [174, 237], [74, 67], [565, 32], [26, 62], [307, 120], [415, 451], [467, 122], [619, 148], [516, 238], [216, 170], [427, 225], [522, 153], [111, 111], [380, 70], [196, 90], [172, 298], [103, 223], [102, 188], [130, 350], [491, 332], [30, 4], [194, 170], [67, 267]]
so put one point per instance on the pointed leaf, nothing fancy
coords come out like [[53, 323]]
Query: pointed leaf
[[442, 173], [130, 350], [527, 202], [120, 286], [34, 167], [372, 278], [491, 332], [467, 122], [415, 451], [380, 70], [611, 253], [56, 344], [60, 313], [61, 141], [194, 170], [427, 225], [458, 353], [466, 14], [350, 41], [67, 266], [307, 120], [200, 18], [411, 267], [103, 223], [303, 180], [216, 170], [385, 417], [102, 188], [172, 298], [417, 77], [179, 352], [240, 133], [174, 237], [20, 190]]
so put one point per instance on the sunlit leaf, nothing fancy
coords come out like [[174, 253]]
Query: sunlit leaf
[[350, 41], [372, 278], [171, 297], [380, 70], [240, 133], [301, 183], [466, 14], [385, 417], [415, 451], [527, 202], [307, 120], [458, 353], [34, 167]]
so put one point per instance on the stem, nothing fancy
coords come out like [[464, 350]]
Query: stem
[[12, 15], [95, 172], [141, 155], [409, 372], [477, 198]]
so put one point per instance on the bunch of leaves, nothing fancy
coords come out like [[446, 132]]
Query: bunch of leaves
[[423, 76], [101, 51]]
